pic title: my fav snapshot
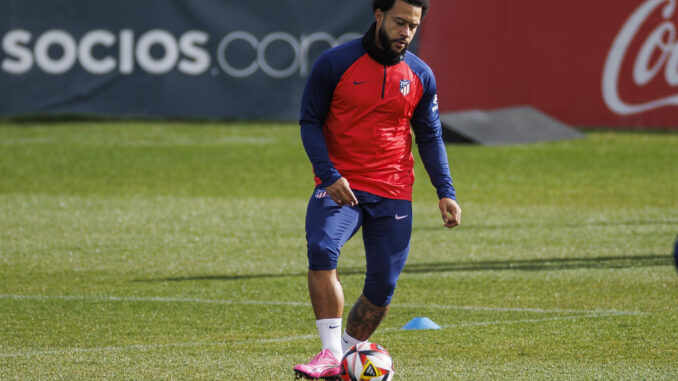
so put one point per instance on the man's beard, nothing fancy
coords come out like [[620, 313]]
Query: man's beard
[[386, 43]]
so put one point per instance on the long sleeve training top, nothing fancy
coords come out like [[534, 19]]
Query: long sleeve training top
[[357, 109]]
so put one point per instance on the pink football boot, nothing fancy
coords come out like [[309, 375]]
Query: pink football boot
[[323, 366]]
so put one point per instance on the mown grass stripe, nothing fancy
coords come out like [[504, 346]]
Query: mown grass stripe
[[149, 299], [143, 347], [297, 304]]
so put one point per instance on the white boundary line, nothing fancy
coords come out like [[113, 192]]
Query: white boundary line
[[555, 318], [161, 299], [514, 309]]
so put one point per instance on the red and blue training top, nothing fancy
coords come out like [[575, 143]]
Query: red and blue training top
[[356, 112]]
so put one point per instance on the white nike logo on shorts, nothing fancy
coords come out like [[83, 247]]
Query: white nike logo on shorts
[[397, 217]]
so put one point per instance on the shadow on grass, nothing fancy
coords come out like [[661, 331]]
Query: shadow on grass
[[544, 264]]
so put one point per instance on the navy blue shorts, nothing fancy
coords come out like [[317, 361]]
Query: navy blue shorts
[[386, 227]]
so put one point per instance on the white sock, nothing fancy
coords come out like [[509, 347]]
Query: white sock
[[330, 335], [347, 341]]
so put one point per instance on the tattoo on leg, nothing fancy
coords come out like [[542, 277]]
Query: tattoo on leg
[[364, 318]]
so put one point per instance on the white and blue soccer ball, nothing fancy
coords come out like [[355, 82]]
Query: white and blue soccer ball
[[366, 362]]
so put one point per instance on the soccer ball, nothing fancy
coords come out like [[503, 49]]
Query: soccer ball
[[366, 361]]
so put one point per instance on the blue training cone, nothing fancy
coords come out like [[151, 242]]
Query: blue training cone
[[421, 323]]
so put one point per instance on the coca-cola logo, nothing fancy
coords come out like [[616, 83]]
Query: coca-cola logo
[[655, 60]]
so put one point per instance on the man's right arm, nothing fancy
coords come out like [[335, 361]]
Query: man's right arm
[[314, 143], [315, 104]]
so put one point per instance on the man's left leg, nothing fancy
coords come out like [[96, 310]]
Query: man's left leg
[[361, 322], [387, 229]]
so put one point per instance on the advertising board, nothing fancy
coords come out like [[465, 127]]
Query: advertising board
[[588, 63]]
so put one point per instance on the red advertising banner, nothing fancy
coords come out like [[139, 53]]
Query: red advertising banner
[[594, 63]]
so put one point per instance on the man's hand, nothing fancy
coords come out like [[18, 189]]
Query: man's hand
[[451, 212], [341, 193]]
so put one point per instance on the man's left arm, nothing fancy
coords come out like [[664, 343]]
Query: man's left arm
[[429, 140]]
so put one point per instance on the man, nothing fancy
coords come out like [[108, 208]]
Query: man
[[358, 108]]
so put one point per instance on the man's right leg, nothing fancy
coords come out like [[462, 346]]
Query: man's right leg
[[327, 296], [328, 227]]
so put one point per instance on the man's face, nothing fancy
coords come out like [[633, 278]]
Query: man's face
[[396, 28]]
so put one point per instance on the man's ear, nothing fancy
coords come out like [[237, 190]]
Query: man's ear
[[379, 17]]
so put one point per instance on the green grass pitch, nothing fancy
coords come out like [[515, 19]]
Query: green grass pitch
[[170, 250]]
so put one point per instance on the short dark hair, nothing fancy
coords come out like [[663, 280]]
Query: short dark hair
[[386, 5]]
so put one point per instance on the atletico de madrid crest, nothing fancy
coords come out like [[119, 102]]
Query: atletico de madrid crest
[[405, 86], [320, 193]]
